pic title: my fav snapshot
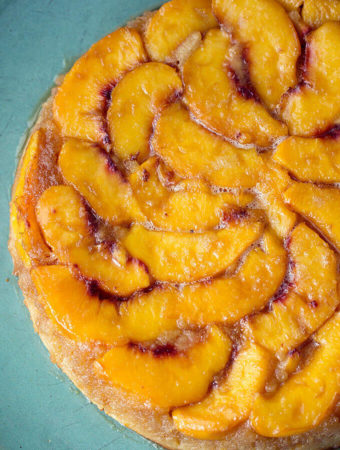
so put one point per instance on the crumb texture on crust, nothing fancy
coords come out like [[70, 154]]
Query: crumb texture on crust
[[175, 224]]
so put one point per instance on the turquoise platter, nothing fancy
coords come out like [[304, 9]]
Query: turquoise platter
[[39, 407]]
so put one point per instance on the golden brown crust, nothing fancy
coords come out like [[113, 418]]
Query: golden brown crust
[[77, 361]]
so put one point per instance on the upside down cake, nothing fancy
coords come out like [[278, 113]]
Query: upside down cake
[[175, 224]]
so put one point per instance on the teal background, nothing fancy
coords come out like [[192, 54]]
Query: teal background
[[39, 407]]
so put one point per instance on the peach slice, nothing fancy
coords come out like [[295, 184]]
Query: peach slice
[[66, 226], [27, 236], [279, 330], [185, 257], [192, 151], [270, 188], [227, 300], [190, 205], [307, 398], [173, 23], [315, 266], [314, 105], [135, 101], [147, 316], [320, 205], [167, 380], [310, 159], [212, 96], [81, 315], [230, 403], [311, 301], [272, 44], [316, 13], [92, 172], [78, 314], [323, 44], [81, 99]]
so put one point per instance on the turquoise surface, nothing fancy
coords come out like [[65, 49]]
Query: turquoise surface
[[39, 407]]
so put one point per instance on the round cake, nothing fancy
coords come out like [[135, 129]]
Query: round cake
[[175, 224]]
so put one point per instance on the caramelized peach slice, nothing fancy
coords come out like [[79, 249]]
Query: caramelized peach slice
[[173, 23], [309, 395], [192, 151], [316, 13], [146, 316], [272, 44], [270, 187], [212, 96], [29, 162], [81, 99], [92, 172], [314, 105], [78, 314], [310, 159], [167, 380], [66, 226], [309, 304], [228, 404], [229, 299], [226, 300], [135, 101], [322, 71], [83, 316], [27, 237], [190, 205], [283, 327], [29, 241], [184, 257], [319, 205], [63, 217], [315, 266]]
